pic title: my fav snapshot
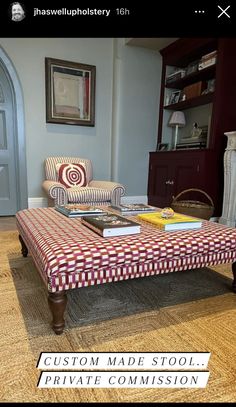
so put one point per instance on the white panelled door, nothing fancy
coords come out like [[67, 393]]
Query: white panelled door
[[8, 176]]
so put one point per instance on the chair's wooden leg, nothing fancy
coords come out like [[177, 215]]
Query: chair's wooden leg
[[57, 303], [234, 277], [24, 249]]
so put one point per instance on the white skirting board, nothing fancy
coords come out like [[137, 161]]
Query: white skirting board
[[37, 202], [43, 203]]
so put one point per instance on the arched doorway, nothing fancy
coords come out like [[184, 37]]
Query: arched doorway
[[13, 175]]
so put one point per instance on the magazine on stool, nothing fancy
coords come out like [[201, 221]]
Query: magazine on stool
[[133, 209], [75, 210]]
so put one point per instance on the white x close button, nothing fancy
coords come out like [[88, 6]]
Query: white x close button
[[223, 11]]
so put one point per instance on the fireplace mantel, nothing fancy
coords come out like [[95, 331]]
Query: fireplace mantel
[[229, 200]]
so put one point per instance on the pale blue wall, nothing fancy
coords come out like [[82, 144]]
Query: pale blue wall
[[140, 79], [137, 115]]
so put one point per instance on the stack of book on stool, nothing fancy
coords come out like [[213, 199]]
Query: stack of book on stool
[[75, 210], [111, 225], [177, 222], [133, 209]]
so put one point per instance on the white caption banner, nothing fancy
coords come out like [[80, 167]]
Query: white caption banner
[[123, 361], [123, 379]]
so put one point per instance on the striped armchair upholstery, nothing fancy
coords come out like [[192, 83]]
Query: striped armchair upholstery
[[95, 193]]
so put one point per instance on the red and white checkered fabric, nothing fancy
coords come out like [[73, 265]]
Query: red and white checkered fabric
[[70, 255]]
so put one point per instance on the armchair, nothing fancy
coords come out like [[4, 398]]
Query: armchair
[[70, 180]]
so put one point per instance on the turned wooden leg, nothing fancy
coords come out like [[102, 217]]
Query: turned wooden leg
[[24, 249], [57, 303], [234, 275]]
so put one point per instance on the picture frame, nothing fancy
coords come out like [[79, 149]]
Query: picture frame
[[174, 97], [162, 146], [70, 92]]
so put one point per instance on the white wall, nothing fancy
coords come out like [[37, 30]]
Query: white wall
[[119, 152]]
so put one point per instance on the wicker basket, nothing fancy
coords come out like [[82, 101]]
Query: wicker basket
[[193, 208]]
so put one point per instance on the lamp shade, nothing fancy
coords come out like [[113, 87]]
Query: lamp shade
[[177, 119]]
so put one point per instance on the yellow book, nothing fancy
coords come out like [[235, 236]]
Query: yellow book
[[177, 222]]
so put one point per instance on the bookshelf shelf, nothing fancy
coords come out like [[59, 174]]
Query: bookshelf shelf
[[203, 75], [193, 102], [174, 170]]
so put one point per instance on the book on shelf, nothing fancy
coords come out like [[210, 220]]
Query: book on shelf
[[178, 74], [133, 209], [177, 222], [111, 225], [205, 63], [207, 60], [209, 56], [199, 144], [75, 210]]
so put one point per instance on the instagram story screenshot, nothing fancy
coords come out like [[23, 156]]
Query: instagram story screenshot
[[117, 201]]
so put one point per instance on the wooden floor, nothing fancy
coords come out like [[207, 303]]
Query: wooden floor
[[7, 223]]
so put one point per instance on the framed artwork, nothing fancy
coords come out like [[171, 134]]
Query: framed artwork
[[174, 97], [70, 92], [162, 146]]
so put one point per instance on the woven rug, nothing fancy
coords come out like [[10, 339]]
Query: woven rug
[[178, 312]]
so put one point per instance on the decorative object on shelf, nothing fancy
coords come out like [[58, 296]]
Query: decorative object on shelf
[[196, 131], [195, 89], [192, 67], [70, 92], [197, 138], [177, 120], [177, 74], [210, 87], [167, 213], [174, 97], [162, 146]]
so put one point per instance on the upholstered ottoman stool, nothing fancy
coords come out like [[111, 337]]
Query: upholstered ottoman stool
[[69, 255]]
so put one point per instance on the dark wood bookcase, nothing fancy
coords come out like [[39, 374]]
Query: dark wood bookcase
[[171, 172]]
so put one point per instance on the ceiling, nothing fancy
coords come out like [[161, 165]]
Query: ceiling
[[151, 43]]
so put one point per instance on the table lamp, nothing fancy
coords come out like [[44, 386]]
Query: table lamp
[[177, 120]]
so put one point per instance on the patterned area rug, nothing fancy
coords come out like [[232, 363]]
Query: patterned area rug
[[94, 304], [178, 312]]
